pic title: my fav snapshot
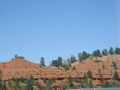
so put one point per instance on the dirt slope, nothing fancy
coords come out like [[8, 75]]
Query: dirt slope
[[20, 67]]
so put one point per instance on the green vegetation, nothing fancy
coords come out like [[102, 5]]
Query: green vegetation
[[38, 86], [110, 84], [86, 82], [42, 62], [29, 83], [63, 87], [117, 50], [111, 51], [70, 81], [15, 56], [82, 56], [91, 84], [89, 74], [114, 65], [66, 67], [105, 52], [72, 58], [57, 62], [116, 76], [97, 53]]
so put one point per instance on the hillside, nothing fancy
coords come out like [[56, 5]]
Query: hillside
[[20, 67]]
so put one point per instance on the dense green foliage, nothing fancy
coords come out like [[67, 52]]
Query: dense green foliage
[[82, 56], [105, 52], [89, 74], [117, 50], [111, 51], [72, 58], [116, 76], [66, 67], [97, 53], [110, 84], [29, 83], [42, 62], [57, 62]]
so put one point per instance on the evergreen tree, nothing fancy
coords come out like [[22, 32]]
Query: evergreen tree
[[59, 59], [116, 76], [96, 53], [10, 84], [15, 56], [111, 51], [85, 55], [117, 51], [66, 67], [57, 62], [17, 84], [29, 83], [89, 74], [114, 65], [38, 85], [82, 56], [72, 58], [85, 81], [42, 62], [70, 81], [104, 52]]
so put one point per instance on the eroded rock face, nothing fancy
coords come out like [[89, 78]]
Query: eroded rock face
[[19, 67]]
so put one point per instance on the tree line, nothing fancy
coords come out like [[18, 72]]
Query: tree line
[[82, 56]]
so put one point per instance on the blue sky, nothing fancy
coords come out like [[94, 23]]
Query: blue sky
[[52, 28]]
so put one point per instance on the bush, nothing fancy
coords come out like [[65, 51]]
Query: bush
[[116, 76], [110, 84], [89, 74], [66, 67]]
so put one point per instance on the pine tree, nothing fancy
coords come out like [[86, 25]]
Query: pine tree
[[42, 62], [29, 83], [117, 50], [82, 56], [57, 62], [114, 65], [116, 76], [70, 81], [38, 85], [96, 53], [89, 74], [15, 56], [59, 59], [111, 51], [16, 84], [104, 52], [72, 58]]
